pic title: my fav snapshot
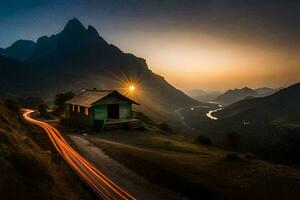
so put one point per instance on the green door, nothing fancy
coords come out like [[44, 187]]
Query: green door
[[100, 112]]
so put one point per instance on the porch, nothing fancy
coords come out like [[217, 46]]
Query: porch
[[122, 123]]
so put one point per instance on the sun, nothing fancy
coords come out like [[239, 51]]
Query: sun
[[131, 88], [128, 84]]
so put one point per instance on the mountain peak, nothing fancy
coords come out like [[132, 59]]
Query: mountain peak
[[23, 42], [246, 88], [20, 50], [92, 31], [74, 25]]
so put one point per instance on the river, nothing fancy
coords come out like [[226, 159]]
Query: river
[[209, 114]]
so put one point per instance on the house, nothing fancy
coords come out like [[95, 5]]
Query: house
[[100, 109]]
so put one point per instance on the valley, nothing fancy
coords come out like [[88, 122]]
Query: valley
[[179, 164], [149, 100]]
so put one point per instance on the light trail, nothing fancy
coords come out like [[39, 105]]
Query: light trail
[[96, 180]]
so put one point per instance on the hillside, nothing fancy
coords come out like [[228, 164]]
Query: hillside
[[232, 96], [20, 50], [203, 96], [280, 107], [78, 58], [195, 171], [265, 91], [268, 125], [13, 77], [27, 169]]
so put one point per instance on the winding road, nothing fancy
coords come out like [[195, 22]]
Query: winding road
[[96, 180]]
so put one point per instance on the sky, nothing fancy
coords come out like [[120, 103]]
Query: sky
[[207, 44]]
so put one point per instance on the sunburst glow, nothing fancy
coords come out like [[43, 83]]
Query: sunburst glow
[[131, 88], [129, 85]]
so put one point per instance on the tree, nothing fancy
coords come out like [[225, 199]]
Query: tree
[[203, 140], [31, 102], [13, 105], [43, 110], [60, 100], [233, 139]]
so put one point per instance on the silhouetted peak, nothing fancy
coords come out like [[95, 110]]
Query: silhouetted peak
[[20, 50], [74, 25], [42, 39], [92, 31], [23, 43], [246, 88]]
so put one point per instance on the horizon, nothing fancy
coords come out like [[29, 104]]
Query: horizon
[[191, 55]]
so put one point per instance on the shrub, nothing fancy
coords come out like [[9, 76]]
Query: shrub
[[203, 140], [31, 102], [233, 139], [165, 127], [13, 105], [31, 164], [233, 157], [142, 128], [5, 138], [250, 156], [43, 110], [60, 100]]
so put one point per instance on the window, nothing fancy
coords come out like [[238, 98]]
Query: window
[[78, 109], [86, 111], [73, 108]]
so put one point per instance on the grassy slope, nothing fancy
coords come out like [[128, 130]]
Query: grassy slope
[[28, 171], [197, 171]]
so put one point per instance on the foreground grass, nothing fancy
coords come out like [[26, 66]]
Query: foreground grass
[[197, 171]]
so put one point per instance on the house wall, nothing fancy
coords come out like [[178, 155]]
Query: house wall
[[98, 112], [125, 110], [79, 117]]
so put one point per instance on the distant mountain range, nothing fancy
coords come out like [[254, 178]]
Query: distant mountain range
[[268, 126], [204, 96], [280, 107], [20, 50], [265, 91], [232, 96], [78, 58]]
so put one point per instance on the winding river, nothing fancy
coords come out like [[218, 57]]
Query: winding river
[[209, 114]]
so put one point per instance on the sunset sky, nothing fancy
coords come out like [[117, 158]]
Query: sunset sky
[[209, 44]]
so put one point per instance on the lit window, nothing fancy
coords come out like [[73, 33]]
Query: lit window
[[86, 111], [78, 109], [73, 108]]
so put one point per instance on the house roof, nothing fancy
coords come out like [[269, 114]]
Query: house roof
[[89, 97]]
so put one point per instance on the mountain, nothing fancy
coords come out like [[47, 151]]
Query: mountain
[[78, 58], [201, 95], [232, 96], [265, 91], [74, 37], [280, 107], [268, 126], [20, 50], [12, 76]]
